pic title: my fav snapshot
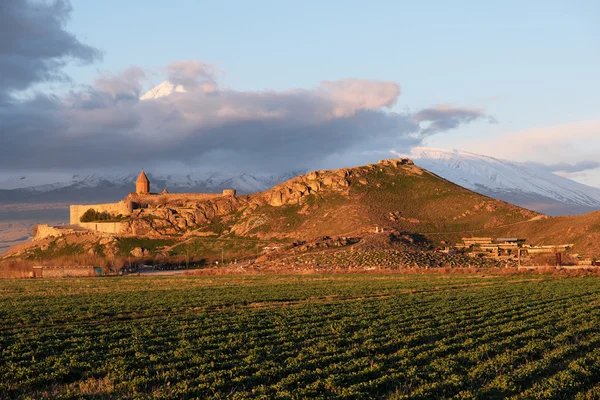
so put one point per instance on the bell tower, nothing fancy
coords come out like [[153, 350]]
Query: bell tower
[[142, 185]]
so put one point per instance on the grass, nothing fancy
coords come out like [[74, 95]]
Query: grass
[[56, 250], [336, 336], [211, 249]]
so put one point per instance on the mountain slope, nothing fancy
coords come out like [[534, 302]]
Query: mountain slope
[[164, 89], [517, 183]]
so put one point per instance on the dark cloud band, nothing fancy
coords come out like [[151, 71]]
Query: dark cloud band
[[107, 125]]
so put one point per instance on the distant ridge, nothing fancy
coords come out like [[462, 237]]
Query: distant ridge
[[107, 187]]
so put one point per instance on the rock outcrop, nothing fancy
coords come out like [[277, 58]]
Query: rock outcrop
[[295, 190], [158, 220]]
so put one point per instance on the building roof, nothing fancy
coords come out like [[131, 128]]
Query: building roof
[[143, 177]]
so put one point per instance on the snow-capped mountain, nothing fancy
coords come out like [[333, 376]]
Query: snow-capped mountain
[[518, 183], [164, 89], [111, 187], [9, 181]]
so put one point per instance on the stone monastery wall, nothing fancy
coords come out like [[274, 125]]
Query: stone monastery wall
[[46, 231], [171, 197], [122, 207], [103, 227], [140, 199]]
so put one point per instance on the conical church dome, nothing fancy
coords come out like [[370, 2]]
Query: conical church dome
[[143, 177], [142, 185]]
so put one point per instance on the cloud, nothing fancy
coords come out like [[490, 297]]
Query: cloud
[[268, 131], [34, 44], [568, 149], [193, 74], [106, 125], [570, 142], [444, 118], [351, 94], [568, 168], [127, 84]]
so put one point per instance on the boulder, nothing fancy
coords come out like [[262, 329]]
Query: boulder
[[137, 252]]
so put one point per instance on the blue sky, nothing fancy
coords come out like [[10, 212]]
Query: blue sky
[[533, 66], [465, 52]]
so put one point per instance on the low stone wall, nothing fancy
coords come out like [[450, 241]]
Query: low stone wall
[[123, 207], [47, 231], [65, 272], [103, 227]]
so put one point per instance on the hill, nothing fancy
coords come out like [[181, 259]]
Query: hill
[[394, 196], [390, 213]]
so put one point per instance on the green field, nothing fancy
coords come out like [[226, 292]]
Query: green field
[[314, 336]]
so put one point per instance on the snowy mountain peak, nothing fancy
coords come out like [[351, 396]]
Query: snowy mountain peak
[[164, 89], [519, 183]]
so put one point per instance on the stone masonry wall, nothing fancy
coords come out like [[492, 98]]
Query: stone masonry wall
[[46, 231], [103, 227], [122, 207], [63, 272], [172, 197]]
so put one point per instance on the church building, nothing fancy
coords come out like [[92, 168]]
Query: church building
[[142, 185]]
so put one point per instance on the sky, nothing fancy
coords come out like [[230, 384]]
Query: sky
[[275, 86]]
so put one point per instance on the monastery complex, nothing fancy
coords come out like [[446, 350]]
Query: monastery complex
[[141, 198]]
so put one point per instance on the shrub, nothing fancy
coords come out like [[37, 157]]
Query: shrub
[[92, 215]]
